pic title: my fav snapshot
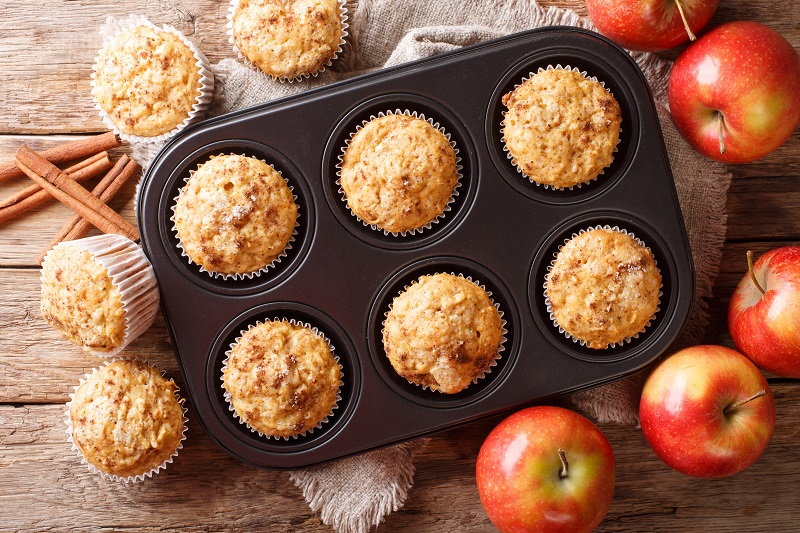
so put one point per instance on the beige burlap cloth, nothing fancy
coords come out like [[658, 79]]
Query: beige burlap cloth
[[354, 494]]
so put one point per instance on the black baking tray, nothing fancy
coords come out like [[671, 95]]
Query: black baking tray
[[340, 276]]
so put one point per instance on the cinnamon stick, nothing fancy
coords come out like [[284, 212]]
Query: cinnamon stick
[[81, 172], [76, 227], [66, 152], [34, 164], [96, 218], [86, 162], [42, 196]]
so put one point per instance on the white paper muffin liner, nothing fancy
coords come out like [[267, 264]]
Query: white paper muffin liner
[[114, 27], [227, 394], [343, 15], [113, 477], [245, 275], [453, 195], [503, 123], [549, 307], [131, 273], [503, 337]]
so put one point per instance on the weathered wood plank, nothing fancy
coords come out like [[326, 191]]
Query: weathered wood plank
[[47, 50], [36, 364], [205, 489]]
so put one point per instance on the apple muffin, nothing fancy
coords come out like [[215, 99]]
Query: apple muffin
[[443, 332], [288, 39], [603, 287], [560, 128], [147, 82], [99, 293], [126, 420], [398, 173], [281, 379], [235, 215]]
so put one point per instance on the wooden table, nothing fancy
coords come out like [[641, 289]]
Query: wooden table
[[46, 52]]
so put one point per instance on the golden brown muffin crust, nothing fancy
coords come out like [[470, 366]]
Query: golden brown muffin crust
[[398, 173], [146, 81], [80, 300], [282, 378], [287, 38], [603, 287], [561, 128], [126, 419], [442, 332], [235, 215]]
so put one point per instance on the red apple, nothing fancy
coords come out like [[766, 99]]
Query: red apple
[[707, 411], [650, 25], [764, 313], [545, 469], [735, 93]]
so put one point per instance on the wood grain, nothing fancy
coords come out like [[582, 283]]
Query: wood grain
[[204, 489], [46, 53]]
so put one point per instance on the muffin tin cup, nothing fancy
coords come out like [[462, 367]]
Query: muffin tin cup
[[243, 275], [132, 275], [548, 305], [453, 194], [113, 477], [510, 157], [114, 27], [323, 421], [344, 18], [503, 323]]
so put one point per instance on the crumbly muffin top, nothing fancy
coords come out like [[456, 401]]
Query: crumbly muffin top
[[126, 419], [146, 81], [287, 38], [282, 378], [235, 215], [603, 287], [442, 332], [561, 128], [80, 300], [398, 173]]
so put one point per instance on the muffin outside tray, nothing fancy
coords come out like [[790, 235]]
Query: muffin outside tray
[[500, 230]]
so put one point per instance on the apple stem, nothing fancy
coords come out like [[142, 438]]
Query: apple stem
[[692, 36], [564, 464], [752, 272], [722, 148], [740, 403]]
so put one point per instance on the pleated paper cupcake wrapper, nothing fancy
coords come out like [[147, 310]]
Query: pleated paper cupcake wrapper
[[114, 27], [549, 306], [113, 477], [493, 363], [503, 124], [234, 4], [450, 201], [237, 276], [132, 275], [322, 421]]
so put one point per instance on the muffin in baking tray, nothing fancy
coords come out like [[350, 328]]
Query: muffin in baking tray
[[443, 332], [149, 82], [235, 216], [561, 128], [281, 378], [398, 173], [99, 293], [603, 287], [288, 39], [126, 420]]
